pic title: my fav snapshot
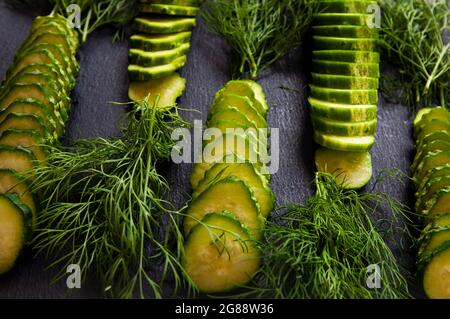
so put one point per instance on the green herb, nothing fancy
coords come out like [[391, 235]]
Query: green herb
[[259, 31], [413, 36], [103, 207], [323, 249]]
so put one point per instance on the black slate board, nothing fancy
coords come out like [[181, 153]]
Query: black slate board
[[103, 78]]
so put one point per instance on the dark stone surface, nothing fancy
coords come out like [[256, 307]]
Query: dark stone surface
[[103, 78]]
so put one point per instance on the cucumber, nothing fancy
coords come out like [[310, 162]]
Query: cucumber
[[353, 97], [15, 226], [347, 56], [335, 43], [158, 42], [19, 159], [433, 126], [436, 280], [229, 194], [343, 19], [247, 173], [138, 73], [220, 254], [345, 143], [344, 82], [45, 37], [430, 189], [421, 113], [189, 3], [242, 103], [433, 146], [442, 136], [231, 114], [25, 122], [342, 112], [438, 204], [344, 31], [429, 162], [435, 172], [247, 88], [28, 139], [346, 6], [168, 89], [352, 170], [343, 128], [163, 24], [251, 132], [55, 27], [12, 183], [174, 10], [436, 114], [155, 58], [370, 70]]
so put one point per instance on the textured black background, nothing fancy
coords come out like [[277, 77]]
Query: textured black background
[[103, 78]]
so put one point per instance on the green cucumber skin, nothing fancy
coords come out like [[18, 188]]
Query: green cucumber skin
[[137, 73], [343, 128], [347, 56], [342, 31], [152, 27], [358, 113], [352, 97], [347, 6], [169, 9], [368, 70], [139, 58], [136, 42], [337, 145], [343, 19], [344, 82], [332, 43]]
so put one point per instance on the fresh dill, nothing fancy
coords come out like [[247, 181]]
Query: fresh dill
[[259, 31], [323, 249], [414, 36], [103, 208]]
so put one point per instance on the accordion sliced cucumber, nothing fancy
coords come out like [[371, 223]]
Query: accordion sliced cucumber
[[370, 70], [431, 189], [139, 73], [347, 56], [435, 172], [344, 31], [344, 19], [159, 42], [19, 159], [229, 194], [28, 139], [343, 128], [25, 121], [345, 143], [442, 136], [343, 112], [163, 24], [436, 125], [352, 6], [12, 183], [353, 97], [352, 170], [15, 229], [220, 254], [231, 114], [438, 204], [155, 58], [433, 146], [167, 89], [247, 173], [169, 9], [430, 161], [334, 43], [433, 115], [344, 82]]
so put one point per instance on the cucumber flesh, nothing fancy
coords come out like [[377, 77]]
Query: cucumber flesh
[[163, 24], [353, 97], [436, 278], [345, 143], [430, 190], [343, 19], [247, 88], [159, 42], [155, 58], [344, 82], [434, 146], [343, 112], [139, 73], [344, 31], [169, 9], [347, 56], [342, 128], [335, 43], [28, 139], [370, 70], [436, 114]]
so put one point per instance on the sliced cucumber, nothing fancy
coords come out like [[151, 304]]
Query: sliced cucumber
[[352, 170], [169, 9], [247, 173], [242, 103], [19, 159], [343, 128], [25, 122], [163, 25], [155, 58], [55, 27], [167, 89], [220, 254], [347, 56], [334, 43], [346, 6], [344, 31], [440, 135], [12, 183], [353, 97], [433, 146], [15, 229], [345, 143], [138, 73], [159, 42], [429, 162], [435, 114], [343, 112], [370, 70], [435, 172], [344, 82], [438, 204], [430, 189], [343, 19], [436, 278], [421, 113], [47, 37], [28, 139], [231, 114], [433, 126]]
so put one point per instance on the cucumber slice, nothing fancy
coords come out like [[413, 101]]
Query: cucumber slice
[[334, 43], [342, 112], [345, 143], [229, 194], [163, 24], [430, 190], [169, 9], [28, 139], [421, 113], [19, 159], [353, 97], [346, 6], [438, 204], [15, 229], [347, 56], [155, 58], [242, 103], [190, 3], [433, 146], [435, 114], [55, 27], [344, 19], [344, 31], [45, 36], [231, 114], [342, 128], [159, 42], [433, 126], [220, 254], [25, 122], [344, 82], [13, 183], [436, 278], [435, 172], [433, 136], [370, 70], [139, 73], [167, 89], [352, 170], [247, 88], [429, 162], [250, 131], [247, 173]]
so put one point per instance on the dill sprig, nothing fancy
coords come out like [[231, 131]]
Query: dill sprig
[[259, 31], [103, 208], [414, 35], [322, 249]]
